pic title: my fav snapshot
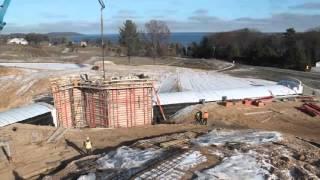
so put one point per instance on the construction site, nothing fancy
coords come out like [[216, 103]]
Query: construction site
[[141, 122], [87, 114]]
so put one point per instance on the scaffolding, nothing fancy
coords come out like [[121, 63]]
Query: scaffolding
[[115, 103]]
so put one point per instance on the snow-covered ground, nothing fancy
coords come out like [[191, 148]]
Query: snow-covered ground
[[45, 66]]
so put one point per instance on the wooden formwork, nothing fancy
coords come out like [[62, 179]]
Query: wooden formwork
[[129, 107], [62, 95], [112, 104]]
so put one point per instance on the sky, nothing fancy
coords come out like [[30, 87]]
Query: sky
[[83, 16]]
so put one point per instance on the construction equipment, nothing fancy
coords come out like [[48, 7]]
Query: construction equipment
[[3, 11], [103, 6]]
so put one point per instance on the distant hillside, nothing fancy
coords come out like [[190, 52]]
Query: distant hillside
[[63, 34]]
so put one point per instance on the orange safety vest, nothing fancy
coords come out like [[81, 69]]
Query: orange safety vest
[[205, 115]]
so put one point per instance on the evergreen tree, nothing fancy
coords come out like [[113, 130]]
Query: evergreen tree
[[129, 38], [295, 56]]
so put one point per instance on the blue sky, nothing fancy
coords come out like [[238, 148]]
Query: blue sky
[[181, 15]]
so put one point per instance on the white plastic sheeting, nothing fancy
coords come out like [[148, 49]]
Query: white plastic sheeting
[[23, 113], [216, 137], [126, 158], [90, 176], [188, 86], [236, 167], [175, 168], [188, 162]]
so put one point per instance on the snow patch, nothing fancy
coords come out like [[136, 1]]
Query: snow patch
[[90, 176], [46, 66], [237, 167], [216, 137]]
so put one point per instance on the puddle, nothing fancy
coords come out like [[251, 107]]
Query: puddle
[[216, 137]]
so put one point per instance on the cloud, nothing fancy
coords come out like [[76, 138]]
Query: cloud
[[61, 26], [307, 6], [53, 16], [202, 15], [275, 23], [125, 14], [201, 12], [195, 23]]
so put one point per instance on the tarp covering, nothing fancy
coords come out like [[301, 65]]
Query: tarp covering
[[190, 86], [23, 113]]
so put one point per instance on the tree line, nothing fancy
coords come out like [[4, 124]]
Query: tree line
[[154, 42], [289, 50]]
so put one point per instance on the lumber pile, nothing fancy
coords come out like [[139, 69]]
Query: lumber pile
[[310, 109]]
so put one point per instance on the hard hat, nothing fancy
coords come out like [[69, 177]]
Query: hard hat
[[88, 138]]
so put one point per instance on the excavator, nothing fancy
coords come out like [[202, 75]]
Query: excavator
[[3, 10], [6, 3]]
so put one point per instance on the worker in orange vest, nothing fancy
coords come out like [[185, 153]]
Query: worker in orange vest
[[205, 117]]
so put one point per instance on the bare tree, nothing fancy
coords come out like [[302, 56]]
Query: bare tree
[[157, 35]]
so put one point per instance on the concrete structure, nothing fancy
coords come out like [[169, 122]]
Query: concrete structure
[[38, 113], [189, 87], [116, 103], [18, 41]]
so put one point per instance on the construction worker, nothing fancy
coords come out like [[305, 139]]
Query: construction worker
[[198, 117], [205, 118], [88, 146], [307, 69]]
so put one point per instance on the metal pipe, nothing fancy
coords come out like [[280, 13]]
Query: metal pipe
[[102, 38]]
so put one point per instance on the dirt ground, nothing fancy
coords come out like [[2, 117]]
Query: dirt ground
[[32, 155], [5, 71], [277, 116]]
